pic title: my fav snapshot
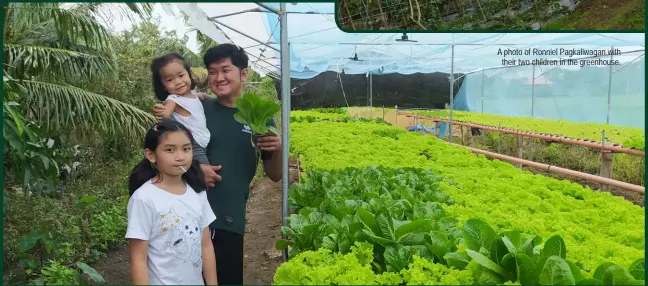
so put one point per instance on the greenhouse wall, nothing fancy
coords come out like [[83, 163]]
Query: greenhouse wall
[[578, 94]]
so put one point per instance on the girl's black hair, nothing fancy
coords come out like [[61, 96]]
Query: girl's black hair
[[145, 170], [158, 63]]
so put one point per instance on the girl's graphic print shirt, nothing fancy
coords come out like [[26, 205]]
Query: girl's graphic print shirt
[[173, 225]]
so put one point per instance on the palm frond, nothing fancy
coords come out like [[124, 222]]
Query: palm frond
[[38, 60], [142, 9], [61, 107], [192, 58], [23, 17], [200, 76], [109, 12], [69, 26], [205, 41]]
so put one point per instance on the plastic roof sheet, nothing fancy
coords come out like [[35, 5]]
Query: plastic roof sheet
[[317, 45]]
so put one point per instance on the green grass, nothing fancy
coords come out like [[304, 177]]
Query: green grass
[[603, 15]]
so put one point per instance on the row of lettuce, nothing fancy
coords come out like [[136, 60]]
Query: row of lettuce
[[379, 205], [630, 137], [626, 168]]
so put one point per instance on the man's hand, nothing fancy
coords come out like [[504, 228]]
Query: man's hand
[[158, 111], [272, 166], [210, 174], [269, 142]]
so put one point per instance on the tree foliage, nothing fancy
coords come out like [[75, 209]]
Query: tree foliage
[[48, 51]]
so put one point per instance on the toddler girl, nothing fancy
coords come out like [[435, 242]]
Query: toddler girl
[[173, 84]]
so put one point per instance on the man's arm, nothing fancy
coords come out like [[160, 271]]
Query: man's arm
[[272, 167], [270, 146]]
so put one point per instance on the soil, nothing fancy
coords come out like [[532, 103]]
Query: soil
[[261, 259], [263, 230]]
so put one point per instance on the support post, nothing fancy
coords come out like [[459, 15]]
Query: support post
[[450, 137], [462, 135], [471, 138], [436, 129], [383, 112], [532, 91], [609, 98], [531, 144], [285, 118], [371, 95], [499, 138], [396, 115], [607, 158], [520, 148], [482, 91]]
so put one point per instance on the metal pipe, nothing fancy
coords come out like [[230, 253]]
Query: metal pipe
[[371, 94], [609, 98], [549, 137], [532, 90], [273, 10], [441, 44], [285, 118], [260, 59], [245, 35], [628, 63], [450, 134], [563, 171], [482, 91], [235, 13]]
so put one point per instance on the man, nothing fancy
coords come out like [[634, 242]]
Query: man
[[233, 156]]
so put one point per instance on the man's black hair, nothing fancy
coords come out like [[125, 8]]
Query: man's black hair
[[218, 53]]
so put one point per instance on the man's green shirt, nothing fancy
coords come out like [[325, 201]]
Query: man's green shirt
[[230, 146]]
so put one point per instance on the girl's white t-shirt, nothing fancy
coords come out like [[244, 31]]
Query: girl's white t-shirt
[[196, 121], [173, 226]]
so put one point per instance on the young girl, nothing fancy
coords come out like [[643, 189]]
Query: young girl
[[168, 213], [173, 84]]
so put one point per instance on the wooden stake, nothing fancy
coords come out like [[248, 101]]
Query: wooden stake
[[462, 135], [471, 138], [499, 138], [520, 148], [607, 159]]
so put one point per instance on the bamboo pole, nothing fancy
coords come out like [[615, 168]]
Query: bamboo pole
[[563, 171]]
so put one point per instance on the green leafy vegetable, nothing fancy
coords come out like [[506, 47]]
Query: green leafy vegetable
[[360, 188], [256, 112]]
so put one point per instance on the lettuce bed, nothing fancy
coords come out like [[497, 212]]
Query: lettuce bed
[[596, 227], [628, 136]]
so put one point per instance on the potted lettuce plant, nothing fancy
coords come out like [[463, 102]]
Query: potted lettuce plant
[[256, 112]]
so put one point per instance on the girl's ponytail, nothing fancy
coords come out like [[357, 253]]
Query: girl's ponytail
[[142, 172]]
